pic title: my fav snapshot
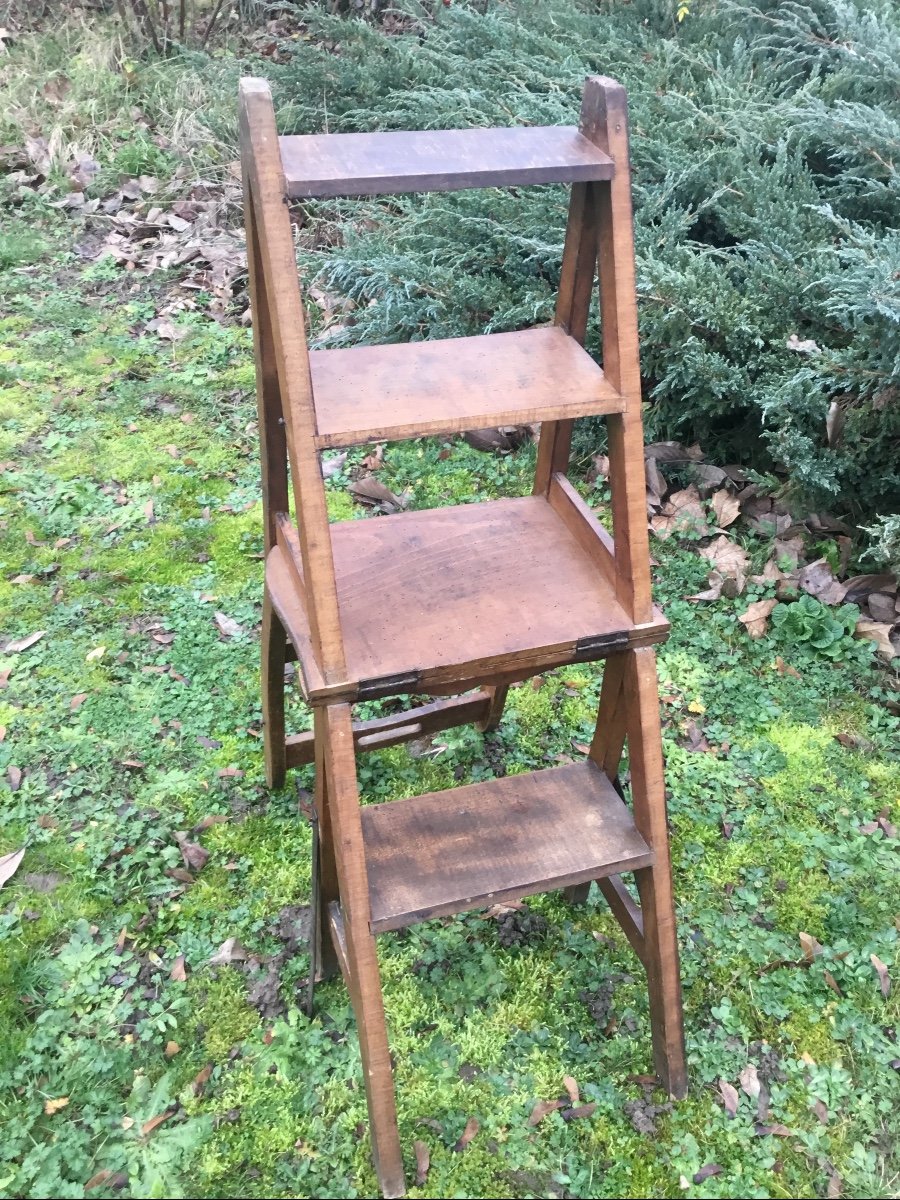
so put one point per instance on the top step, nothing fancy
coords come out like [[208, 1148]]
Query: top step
[[438, 160]]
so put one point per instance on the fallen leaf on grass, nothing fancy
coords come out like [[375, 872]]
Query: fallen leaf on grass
[[76, 702], [172, 1048], [193, 853], [107, 1178], [572, 1090], [155, 1122], [208, 822], [9, 864], [54, 1106], [179, 970], [707, 1172], [726, 507], [756, 618], [729, 1096], [883, 976], [95, 654], [749, 1081], [784, 668], [24, 643], [683, 513], [583, 1110], [714, 591], [832, 983], [423, 1162], [811, 947], [231, 951], [201, 1079], [14, 775], [776, 1130], [879, 633], [729, 559], [818, 580], [835, 1186], [227, 626], [467, 1134], [370, 490], [541, 1109]]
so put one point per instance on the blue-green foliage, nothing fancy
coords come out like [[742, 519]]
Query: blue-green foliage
[[809, 621], [764, 138]]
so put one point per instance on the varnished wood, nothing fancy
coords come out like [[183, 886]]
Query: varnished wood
[[416, 389], [655, 885], [273, 642], [270, 223], [483, 595], [402, 727], [608, 128], [626, 912], [408, 585], [361, 959], [495, 841], [438, 160]]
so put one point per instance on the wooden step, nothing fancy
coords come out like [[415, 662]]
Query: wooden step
[[438, 160], [416, 389], [446, 852], [441, 600]]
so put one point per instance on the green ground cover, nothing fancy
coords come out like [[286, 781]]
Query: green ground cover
[[130, 519]]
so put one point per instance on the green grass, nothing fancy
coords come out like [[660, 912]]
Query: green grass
[[766, 825]]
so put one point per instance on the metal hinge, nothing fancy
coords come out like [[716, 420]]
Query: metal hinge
[[388, 685], [604, 643]]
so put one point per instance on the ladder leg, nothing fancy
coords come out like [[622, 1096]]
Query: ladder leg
[[273, 644], [336, 733], [498, 693], [654, 883], [608, 740], [325, 878]]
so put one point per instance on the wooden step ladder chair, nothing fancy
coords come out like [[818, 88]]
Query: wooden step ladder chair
[[441, 602]]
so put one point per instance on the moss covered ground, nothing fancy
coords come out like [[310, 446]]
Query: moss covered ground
[[130, 518]]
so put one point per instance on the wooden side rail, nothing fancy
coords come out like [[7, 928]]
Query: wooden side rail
[[401, 727]]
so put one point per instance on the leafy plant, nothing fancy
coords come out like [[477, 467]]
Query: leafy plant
[[809, 622]]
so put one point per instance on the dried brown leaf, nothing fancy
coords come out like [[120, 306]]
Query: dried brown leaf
[[714, 591], [24, 643], [541, 1109], [227, 626], [818, 580], [14, 775], [154, 1122], [9, 864], [582, 1110], [749, 1081], [107, 1178], [880, 634], [179, 970], [729, 559], [682, 514], [729, 1096], [423, 1162], [55, 1106], [467, 1134], [707, 1172], [810, 946], [726, 507], [883, 977], [572, 1092], [231, 951], [370, 490], [756, 618]]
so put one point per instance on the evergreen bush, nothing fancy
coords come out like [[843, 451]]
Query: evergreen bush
[[764, 139]]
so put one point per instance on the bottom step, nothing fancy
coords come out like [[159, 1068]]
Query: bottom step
[[467, 847]]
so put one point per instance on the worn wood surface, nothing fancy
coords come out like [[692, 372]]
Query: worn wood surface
[[438, 160], [336, 730], [495, 841], [401, 727], [648, 796], [276, 269], [414, 389]]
